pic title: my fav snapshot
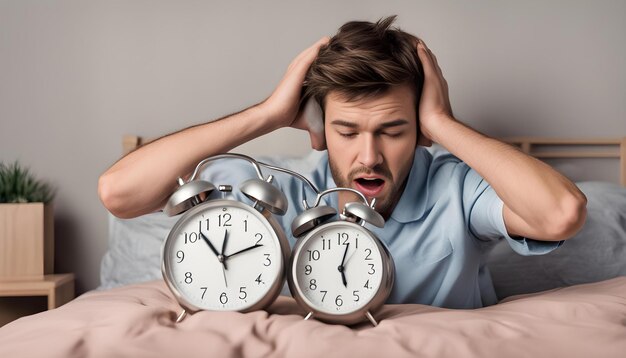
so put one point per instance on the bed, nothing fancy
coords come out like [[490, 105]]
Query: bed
[[574, 305]]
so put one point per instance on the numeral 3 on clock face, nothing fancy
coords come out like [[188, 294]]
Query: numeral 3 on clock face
[[338, 268], [223, 257]]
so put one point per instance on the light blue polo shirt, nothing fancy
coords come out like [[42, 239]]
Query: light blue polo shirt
[[439, 234]]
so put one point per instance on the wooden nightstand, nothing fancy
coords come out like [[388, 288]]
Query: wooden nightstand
[[57, 288]]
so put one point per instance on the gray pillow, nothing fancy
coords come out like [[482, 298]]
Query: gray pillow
[[597, 252], [134, 253]]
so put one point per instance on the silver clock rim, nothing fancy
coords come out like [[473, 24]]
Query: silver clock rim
[[275, 288], [357, 315]]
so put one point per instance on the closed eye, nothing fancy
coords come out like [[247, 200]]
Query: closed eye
[[348, 135], [393, 134]]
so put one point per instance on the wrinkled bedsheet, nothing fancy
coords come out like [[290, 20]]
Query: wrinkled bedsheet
[[139, 321]]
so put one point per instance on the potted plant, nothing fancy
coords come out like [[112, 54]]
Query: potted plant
[[26, 224]]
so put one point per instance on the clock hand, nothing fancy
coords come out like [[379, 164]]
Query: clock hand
[[341, 267], [224, 273], [343, 277], [224, 248], [220, 257], [206, 239], [244, 250], [349, 257], [344, 254]]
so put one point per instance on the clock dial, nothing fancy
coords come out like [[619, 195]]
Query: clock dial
[[223, 255], [338, 268]]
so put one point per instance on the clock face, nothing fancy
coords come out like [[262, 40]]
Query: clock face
[[338, 268], [222, 255]]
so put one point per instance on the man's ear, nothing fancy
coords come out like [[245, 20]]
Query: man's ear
[[421, 138], [423, 141], [314, 116], [314, 119]]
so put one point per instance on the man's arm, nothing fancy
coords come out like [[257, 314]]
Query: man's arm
[[539, 202], [142, 181]]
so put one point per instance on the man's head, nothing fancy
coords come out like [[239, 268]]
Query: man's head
[[368, 81]]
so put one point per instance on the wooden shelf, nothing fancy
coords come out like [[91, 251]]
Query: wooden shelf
[[58, 288]]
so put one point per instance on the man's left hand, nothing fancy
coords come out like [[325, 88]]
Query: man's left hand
[[434, 104]]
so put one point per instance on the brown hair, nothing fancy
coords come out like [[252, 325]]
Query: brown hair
[[365, 59]]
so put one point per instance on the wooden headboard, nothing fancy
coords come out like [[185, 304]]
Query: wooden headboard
[[557, 148], [538, 147]]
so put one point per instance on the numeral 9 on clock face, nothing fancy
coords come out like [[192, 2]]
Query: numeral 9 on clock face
[[223, 255], [338, 268]]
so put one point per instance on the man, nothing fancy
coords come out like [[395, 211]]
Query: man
[[383, 97]]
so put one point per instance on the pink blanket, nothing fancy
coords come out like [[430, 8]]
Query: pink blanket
[[138, 321]]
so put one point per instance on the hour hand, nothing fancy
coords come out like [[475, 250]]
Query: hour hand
[[206, 239]]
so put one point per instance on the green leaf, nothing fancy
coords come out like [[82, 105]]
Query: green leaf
[[18, 185]]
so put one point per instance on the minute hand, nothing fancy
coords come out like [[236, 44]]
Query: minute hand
[[244, 250], [342, 267]]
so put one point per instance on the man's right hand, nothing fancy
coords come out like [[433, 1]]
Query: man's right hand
[[283, 106], [122, 188]]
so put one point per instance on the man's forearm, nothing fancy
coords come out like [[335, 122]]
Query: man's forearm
[[534, 191], [142, 181]]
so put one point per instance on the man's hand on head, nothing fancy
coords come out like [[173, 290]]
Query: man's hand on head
[[435, 103], [283, 106]]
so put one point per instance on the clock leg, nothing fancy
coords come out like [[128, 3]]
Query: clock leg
[[181, 316], [371, 318], [308, 316]]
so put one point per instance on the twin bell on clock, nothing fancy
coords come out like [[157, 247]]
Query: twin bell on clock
[[228, 255]]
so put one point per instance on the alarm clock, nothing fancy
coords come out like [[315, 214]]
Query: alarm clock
[[339, 271], [224, 254]]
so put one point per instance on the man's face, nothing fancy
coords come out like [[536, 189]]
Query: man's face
[[371, 143]]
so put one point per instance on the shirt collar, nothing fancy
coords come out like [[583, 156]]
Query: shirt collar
[[412, 203]]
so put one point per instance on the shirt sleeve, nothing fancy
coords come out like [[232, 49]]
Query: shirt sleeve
[[486, 220]]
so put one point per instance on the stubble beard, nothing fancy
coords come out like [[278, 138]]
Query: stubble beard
[[384, 205]]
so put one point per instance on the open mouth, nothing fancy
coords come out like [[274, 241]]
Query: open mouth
[[370, 187]]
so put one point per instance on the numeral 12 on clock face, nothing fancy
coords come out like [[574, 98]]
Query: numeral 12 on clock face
[[223, 257], [338, 268]]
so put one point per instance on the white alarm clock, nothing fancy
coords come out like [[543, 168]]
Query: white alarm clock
[[339, 271], [223, 254]]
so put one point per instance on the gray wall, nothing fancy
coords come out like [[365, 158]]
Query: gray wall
[[77, 75]]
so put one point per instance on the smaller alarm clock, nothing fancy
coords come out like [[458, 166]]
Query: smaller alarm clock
[[223, 254], [339, 271]]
